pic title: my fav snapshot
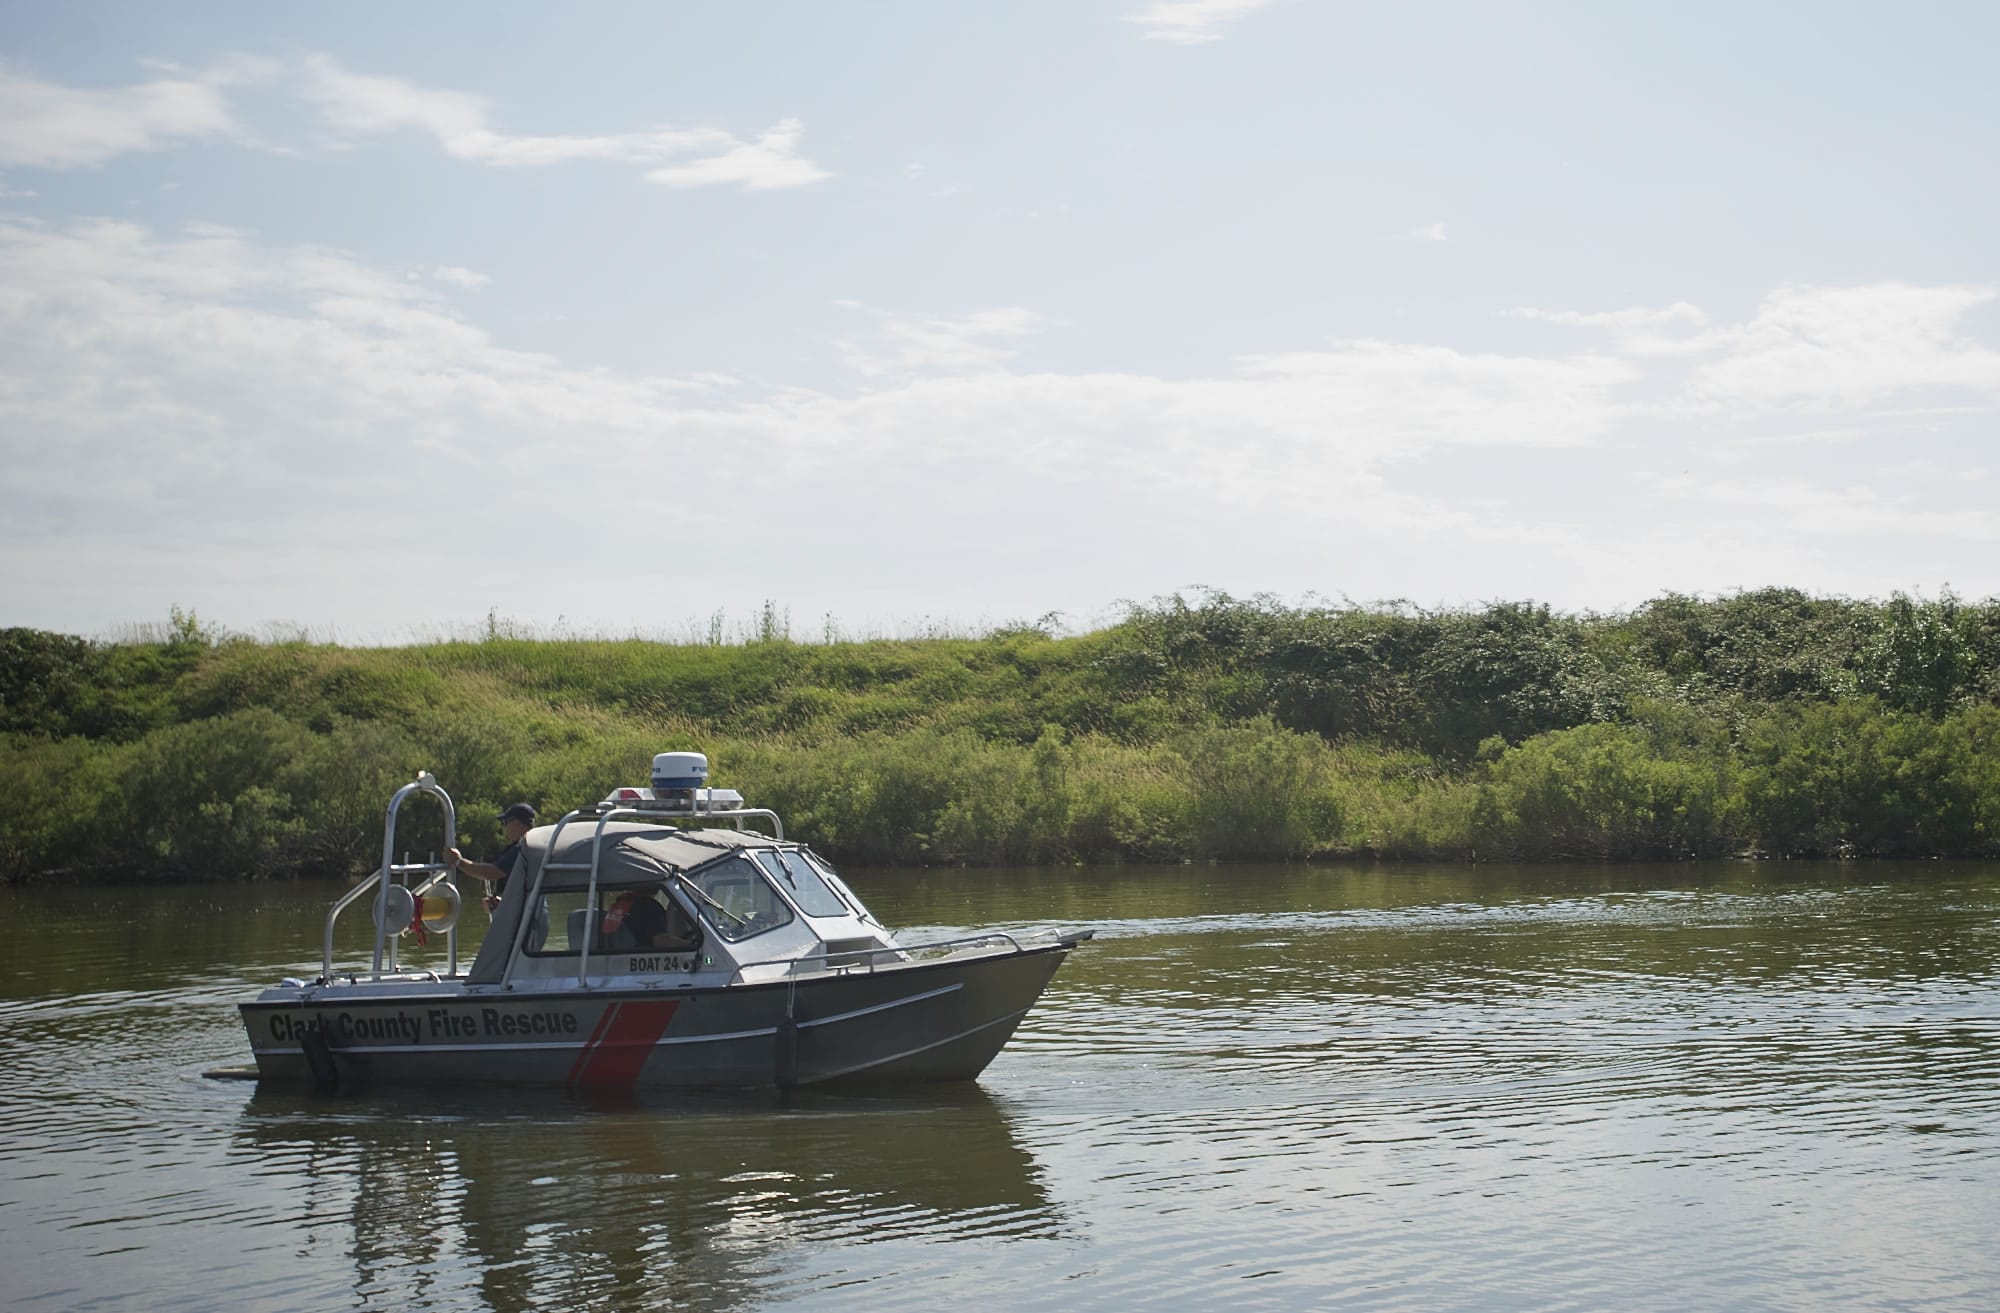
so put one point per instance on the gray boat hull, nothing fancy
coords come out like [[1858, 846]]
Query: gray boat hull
[[916, 1021]]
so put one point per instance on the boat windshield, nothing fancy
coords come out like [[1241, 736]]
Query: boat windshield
[[797, 878], [833, 882], [737, 900]]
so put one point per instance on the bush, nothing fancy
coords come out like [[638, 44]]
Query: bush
[[1259, 791], [198, 798], [1599, 792], [1856, 778], [53, 799]]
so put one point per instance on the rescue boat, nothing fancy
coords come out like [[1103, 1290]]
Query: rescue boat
[[668, 936]]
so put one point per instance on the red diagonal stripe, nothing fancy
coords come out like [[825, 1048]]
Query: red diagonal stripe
[[625, 1043], [596, 1034]]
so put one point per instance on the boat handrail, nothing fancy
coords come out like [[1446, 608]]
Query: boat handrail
[[590, 933], [528, 900], [672, 819], [439, 874], [850, 958], [339, 906], [385, 875]]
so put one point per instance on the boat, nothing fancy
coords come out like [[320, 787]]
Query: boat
[[667, 936]]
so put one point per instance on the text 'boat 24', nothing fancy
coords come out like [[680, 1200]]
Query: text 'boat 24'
[[653, 940]]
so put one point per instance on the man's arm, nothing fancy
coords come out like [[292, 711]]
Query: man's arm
[[486, 871]]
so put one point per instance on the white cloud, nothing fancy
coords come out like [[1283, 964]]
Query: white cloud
[[50, 126], [363, 105], [959, 344], [1812, 349], [1416, 396], [358, 105], [1637, 317], [1429, 232], [229, 70], [166, 354], [770, 162], [1679, 329], [1810, 437], [457, 277], [1818, 349], [1804, 507], [1192, 22], [1932, 471]]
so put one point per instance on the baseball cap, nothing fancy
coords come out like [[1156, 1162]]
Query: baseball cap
[[520, 811]]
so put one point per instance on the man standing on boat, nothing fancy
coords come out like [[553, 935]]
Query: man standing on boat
[[515, 822]]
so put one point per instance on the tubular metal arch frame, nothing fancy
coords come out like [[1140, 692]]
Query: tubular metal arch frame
[[433, 873]]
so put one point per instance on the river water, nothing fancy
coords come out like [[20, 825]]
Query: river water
[[1737, 1086]]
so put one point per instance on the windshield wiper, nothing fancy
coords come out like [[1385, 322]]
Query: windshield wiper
[[702, 895]]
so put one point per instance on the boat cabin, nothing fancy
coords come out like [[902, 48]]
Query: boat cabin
[[594, 897], [651, 886]]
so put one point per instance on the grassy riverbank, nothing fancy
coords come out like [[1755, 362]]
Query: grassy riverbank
[[1770, 722]]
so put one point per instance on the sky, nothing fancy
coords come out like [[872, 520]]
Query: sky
[[378, 323]]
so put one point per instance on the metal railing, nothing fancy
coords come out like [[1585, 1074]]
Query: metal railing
[[386, 876], [852, 959]]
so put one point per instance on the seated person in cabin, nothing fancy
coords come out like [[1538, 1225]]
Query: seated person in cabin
[[635, 921]]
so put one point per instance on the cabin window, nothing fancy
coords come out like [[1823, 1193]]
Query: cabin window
[[797, 879], [832, 878], [737, 900], [628, 919], [555, 927]]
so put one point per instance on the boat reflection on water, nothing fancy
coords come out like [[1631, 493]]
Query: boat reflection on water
[[516, 1200]]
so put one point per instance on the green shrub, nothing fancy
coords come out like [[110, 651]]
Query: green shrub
[[53, 800], [199, 798], [1857, 778], [1599, 792]]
